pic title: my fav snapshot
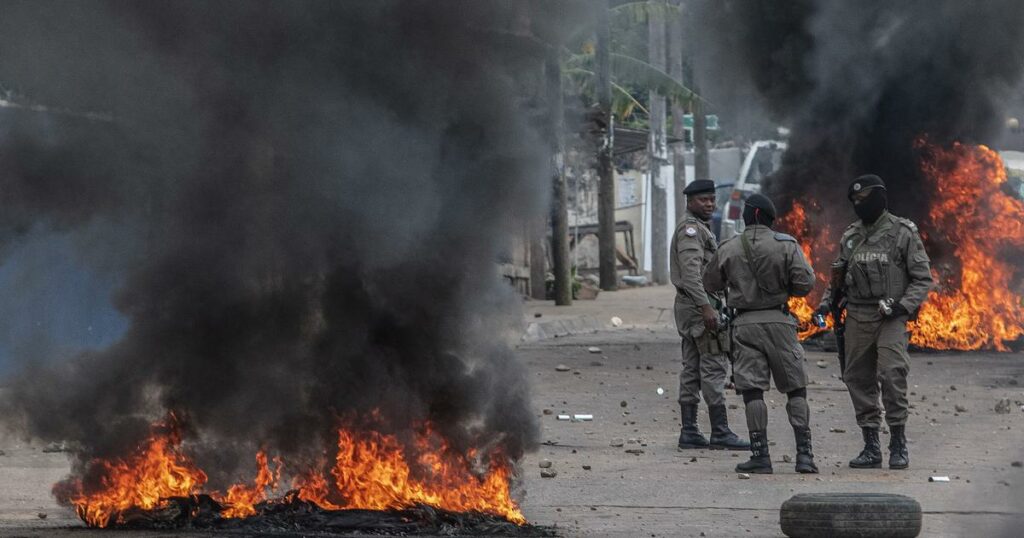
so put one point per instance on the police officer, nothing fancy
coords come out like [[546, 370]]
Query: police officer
[[887, 278], [705, 366], [760, 269]]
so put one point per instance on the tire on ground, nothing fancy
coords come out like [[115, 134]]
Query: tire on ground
[[842, 515]]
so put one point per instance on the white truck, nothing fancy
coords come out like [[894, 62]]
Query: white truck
[[763, 159]]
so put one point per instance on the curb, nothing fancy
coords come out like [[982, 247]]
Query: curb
[[543, 330]]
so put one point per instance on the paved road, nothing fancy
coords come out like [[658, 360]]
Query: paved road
[[665, 492]]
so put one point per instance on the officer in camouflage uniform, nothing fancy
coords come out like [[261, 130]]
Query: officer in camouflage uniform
[[705, 366], [760, 269], [887, 279]]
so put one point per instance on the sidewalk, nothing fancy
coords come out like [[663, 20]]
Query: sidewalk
[[645, 307]]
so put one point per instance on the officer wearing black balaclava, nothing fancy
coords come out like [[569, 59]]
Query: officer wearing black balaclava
[[761, 269], [887, 277]]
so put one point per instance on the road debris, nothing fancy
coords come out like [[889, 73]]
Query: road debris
[[562, 368], [822, 364], [1017, 464], [786, 458], [635, 451], [743, 476], [548, 473], [544, 464], [618, 442], [564, 417], [586, 467], [837, 430], [960, 408], [616, 321], [623, 403], [582, 418], [1003, 406], [594, 349], [661, 391], [938, 479]]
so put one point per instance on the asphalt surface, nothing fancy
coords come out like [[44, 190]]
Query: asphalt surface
[[663, 491], [647, 487]]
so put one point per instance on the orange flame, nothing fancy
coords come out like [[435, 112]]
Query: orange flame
[[157, 471], [241, 499], [796, 223], [974, 308], [371, 471]]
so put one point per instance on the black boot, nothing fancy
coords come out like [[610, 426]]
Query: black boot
[[722, 437], [689, 435], [760, 462], [804, 456], [871, 456], [899, 456]]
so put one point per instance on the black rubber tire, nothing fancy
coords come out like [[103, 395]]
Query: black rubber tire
[[850, 515]]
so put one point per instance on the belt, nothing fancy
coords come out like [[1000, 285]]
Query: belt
[[784, 308]]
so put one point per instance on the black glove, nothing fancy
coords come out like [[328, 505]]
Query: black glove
[[898, 310]]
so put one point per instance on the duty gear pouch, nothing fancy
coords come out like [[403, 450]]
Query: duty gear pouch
[[710, 343]]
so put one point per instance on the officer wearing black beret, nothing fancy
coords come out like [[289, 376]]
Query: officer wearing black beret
[[705, 366]]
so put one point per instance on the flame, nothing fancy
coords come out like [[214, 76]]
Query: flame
[[156, 471], [241, 499], [973, 307], [371, 470], [796, 223]]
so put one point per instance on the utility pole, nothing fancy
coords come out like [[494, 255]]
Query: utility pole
[[657, 151], [559, 213], [675, 70], [701, 162], [538, 258], [605, 171]]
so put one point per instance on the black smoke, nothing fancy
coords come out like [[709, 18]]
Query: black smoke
[[857, 83], [302, 202]]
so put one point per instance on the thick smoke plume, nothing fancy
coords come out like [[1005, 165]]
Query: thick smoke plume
[[303, 203], [857, 82]]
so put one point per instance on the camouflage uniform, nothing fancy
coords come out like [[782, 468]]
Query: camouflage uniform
[[760, 269], [705, 365], [884, 260]]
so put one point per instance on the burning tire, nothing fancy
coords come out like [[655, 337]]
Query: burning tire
[[863, 515]]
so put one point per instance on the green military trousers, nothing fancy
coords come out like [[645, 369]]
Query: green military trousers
[[877, 361], [768, 349], [703, 372]]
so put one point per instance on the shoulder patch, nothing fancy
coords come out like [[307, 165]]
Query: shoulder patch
[[908, 223], [779, 236], [690, 231]]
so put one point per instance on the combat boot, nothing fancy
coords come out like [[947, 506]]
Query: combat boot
[[899, 456], [689, 434], [760, 462], [722, 438], [871, 456], [804, 456]]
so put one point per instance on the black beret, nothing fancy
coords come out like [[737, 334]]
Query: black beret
[[869, 181], [699, 186], [763, 203]]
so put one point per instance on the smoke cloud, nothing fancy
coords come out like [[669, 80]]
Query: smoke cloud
[[857, 83], [302, 204]]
